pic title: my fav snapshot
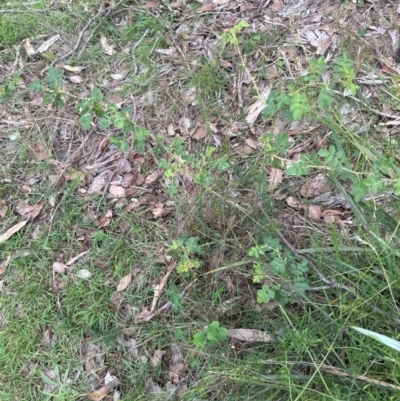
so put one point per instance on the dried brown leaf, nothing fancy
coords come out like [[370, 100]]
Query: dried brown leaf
[[167, 52], [105, 220], [324, 45], [77, 69], [158, 210], [30, 51], [152, 388], [102, 392], [12, 230], [294, 203], [316, 186], [28, 211], [314, 212], [128, 180], [139, 179], [156, 359], [124, 282], [205, 9], [152, 177], [275, 178], [75, 79], [59, 267], [257, 107], [248, 335], [107, 49], [277, 6], [141, 316], [200, 132], [331, 212], [46, 45], [117, 191], [39, 151]]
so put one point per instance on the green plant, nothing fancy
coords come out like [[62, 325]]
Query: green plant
[[8, 88], [212, 335], [94, 109], [274, 262], [184, 249]]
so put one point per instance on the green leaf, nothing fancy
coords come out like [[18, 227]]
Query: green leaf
[[192, 244], [54, 77], [86, 120], [390, 342], [215, 332], [200, 339], [96, 95], [58, 101], [36, 86], [48, 98], [103, 123], [325, 97], [265, 295]]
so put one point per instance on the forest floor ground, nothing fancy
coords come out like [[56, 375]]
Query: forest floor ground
[[199, 200]]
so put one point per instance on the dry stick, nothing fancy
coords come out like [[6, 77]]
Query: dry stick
[[168, 304]]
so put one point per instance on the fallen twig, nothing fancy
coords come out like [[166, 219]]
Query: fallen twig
[[168, 304]]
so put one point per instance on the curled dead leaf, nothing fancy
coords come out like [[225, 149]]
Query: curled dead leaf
[[155, 360], [248, 335], [28, 211], [257, 107], [314, 212], [75, 79], [106, 219], [315, 187], [30, 51], [141, 316], [200, 131], [39, 151], [294, 203], [124, 282], [46, 45], [107, 49], [152, 177], [275, 178], [59, 267], [158, 210], [117, 191], [77, 69]]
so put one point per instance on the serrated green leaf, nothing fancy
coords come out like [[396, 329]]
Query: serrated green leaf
[[200, 339], [86, 120], [36, 86], [215, 332], [54, 77], [96, 95], [103, 123]]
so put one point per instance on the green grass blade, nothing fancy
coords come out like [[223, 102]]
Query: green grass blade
[[390, 342]]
